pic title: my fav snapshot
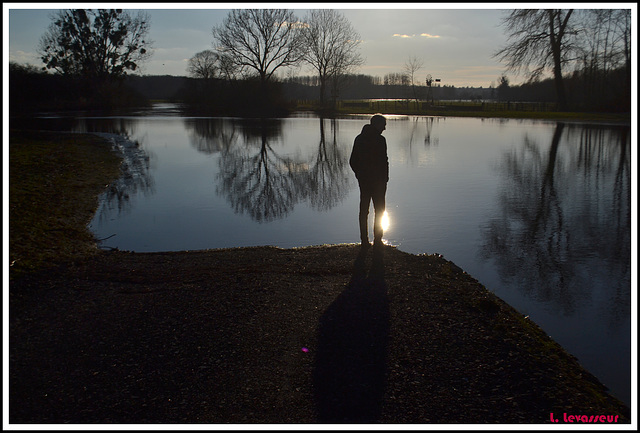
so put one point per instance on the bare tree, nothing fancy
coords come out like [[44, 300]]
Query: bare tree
[[261, 40], [411, 67], [540, 39], [623, 20], [331, 47], [396, 79], [606, 48], [204, 64], [228, 69], [606, 38]]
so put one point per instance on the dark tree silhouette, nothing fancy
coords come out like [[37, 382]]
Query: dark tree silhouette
[[95, 43], [540, 39], [204, 64], [331, 46], [260, 40]]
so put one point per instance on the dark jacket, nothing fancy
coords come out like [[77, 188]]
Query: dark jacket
[[369, 159]]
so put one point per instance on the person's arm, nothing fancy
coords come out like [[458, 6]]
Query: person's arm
[[355, 159], [386, 157]]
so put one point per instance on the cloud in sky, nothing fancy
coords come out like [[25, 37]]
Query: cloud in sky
[[425, 35], [23, 57]]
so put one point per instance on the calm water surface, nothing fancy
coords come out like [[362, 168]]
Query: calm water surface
[[539, 212]]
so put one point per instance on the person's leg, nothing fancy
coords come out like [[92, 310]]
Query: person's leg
[[379, 206], [363, 215]]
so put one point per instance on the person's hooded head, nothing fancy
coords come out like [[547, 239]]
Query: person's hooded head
[[379, 123]]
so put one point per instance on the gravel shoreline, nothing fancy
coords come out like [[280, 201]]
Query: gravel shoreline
[[296, 336]]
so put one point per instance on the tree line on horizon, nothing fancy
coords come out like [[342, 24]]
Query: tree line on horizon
[[94, 54], [32, 90]]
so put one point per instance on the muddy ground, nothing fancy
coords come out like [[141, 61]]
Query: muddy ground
[[267, 335]]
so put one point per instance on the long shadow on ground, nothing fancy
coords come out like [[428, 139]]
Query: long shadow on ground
[[350, 368]]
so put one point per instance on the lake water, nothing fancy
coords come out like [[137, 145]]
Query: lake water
[[539, 212]]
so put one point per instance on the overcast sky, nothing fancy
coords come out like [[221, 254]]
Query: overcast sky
[[455, 42]]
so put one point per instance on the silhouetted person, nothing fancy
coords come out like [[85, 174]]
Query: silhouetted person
[[370, 164]]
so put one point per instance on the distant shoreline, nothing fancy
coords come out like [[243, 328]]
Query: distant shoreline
[[365, 107]]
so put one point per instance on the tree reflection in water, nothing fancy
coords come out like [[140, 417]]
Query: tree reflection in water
[[212, 135], [259, 181], [543, 236], [134, 169], [328, 177]]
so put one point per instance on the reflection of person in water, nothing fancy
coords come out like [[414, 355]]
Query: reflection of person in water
[[370, 164]]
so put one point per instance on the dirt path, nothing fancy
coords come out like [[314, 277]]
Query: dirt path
[[267, 335]]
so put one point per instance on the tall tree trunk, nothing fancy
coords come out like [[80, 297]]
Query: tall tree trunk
[[558, 80], [323, 87], [263, 95], [555, 38]]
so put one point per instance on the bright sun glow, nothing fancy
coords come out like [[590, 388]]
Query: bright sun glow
[[385, 221]]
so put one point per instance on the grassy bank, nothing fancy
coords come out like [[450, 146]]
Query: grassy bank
[[54, 181], [475, 109]]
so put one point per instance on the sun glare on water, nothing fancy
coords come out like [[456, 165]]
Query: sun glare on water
[[385, 221]]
